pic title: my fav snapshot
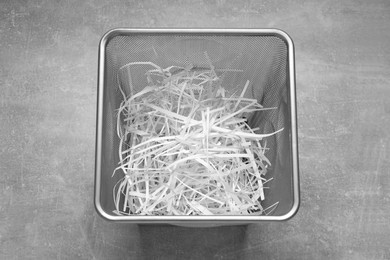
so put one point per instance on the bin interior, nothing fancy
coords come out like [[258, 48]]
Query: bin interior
[[262, 59]]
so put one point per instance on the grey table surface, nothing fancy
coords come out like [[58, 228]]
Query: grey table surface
[[48, 80]]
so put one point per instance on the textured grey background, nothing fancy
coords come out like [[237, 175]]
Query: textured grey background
[[48, 77]]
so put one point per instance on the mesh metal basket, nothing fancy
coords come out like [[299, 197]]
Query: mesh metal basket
[[265, 58]]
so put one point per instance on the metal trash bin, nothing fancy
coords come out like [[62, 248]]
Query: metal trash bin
[[266, 59]]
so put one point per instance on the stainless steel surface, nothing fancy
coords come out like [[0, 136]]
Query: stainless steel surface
[[266, 57]]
